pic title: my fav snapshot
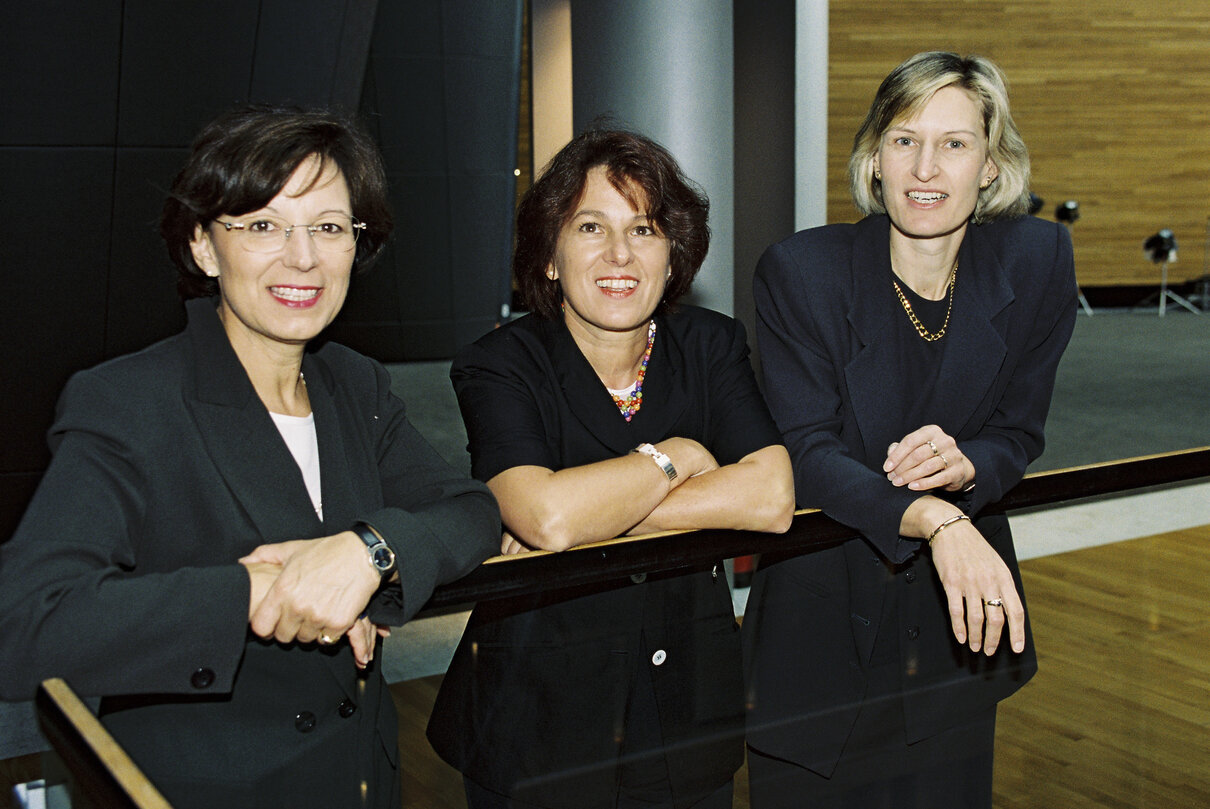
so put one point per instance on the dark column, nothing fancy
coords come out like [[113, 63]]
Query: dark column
[[442, 91], [764, 139]]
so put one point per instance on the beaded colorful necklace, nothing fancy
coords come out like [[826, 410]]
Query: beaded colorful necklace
[[634, 400]]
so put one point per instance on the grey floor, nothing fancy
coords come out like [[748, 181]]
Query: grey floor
[[1131, 383]]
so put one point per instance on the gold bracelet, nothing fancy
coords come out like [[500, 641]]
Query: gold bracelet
[[946, 524]]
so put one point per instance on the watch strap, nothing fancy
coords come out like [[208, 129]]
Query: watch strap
[[381, 557], [661, 460]]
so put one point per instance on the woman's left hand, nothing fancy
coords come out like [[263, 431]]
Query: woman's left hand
[[928, 458], [363, 636], [973, 574], [324, 586]]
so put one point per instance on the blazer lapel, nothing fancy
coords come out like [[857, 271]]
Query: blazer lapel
[[975, 355], [664, 399], [872, 309], [587, 399], [241, 438]]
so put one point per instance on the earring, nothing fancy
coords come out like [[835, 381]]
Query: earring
[[211, 273], [877, 175], [552, 273]]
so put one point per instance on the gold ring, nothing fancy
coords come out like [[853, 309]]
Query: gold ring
[[933, 447], [994, 602], [944, 461], [327, 640]]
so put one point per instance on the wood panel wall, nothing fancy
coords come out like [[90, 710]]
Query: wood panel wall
[[1112, 97]]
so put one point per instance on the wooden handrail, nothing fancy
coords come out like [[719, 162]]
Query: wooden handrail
[[101, 768], [539, 571]]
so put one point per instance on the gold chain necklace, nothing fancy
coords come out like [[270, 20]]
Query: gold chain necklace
[[907, 307]]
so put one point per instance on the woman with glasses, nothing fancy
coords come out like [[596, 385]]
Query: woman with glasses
[[230, 513]]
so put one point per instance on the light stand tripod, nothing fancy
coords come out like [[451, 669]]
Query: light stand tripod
[[1067, 213], [1161, 248]]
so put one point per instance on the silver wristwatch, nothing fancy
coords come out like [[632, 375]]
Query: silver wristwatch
[[661, 460]]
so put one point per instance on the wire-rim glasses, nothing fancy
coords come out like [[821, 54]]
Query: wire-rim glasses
[[331, 233]]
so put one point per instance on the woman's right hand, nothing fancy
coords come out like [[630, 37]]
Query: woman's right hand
[[322, 587], [928, 458], [509, 545]]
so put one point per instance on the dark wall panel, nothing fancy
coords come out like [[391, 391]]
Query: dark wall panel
[[312, 51], [143, 305], [764, 141], [52, 315], [182, 62], [442, 92], [59, 89], [411, 130]]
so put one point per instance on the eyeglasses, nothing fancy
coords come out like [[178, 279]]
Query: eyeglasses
[[334, 233]]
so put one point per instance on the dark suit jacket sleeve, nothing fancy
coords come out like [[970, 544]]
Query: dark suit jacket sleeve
[[797, 326], [71, 601], [1013, 436], [740, 423], [439, 524]]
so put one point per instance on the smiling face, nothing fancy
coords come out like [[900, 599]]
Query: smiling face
[[933, 165], [289, 296], [611, 263]]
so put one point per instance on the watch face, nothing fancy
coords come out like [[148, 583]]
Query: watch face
[[383, 558]]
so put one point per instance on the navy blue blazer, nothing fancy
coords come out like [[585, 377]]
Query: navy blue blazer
[[534, 703], [825, 311], [122, 575]]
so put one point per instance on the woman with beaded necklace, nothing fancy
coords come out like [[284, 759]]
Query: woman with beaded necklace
[[609, 410], [909, 361]]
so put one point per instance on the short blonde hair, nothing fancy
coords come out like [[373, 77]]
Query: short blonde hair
[[906, 90]]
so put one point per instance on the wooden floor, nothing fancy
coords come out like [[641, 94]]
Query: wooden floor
[[1118, 715]]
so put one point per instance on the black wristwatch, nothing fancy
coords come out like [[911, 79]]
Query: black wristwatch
[[381, 555]]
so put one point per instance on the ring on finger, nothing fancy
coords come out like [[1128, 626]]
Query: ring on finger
[[994, 602], [943, 460], [326, 639], [933, 447]]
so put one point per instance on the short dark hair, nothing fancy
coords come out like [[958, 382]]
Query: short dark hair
[[676, 206], [243, 158]]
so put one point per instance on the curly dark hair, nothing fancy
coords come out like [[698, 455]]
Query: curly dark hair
[[243, 158], [634, 164]]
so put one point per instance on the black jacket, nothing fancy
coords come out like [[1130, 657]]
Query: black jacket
[[535, 700], [122, 576], [826, 312]]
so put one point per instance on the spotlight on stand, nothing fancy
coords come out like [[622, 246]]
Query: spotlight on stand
[[1068, 212], [1161, 249], [1035, 203]]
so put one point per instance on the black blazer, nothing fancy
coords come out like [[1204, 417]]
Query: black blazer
[[122, 576], [826, 311], [535, 698]]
